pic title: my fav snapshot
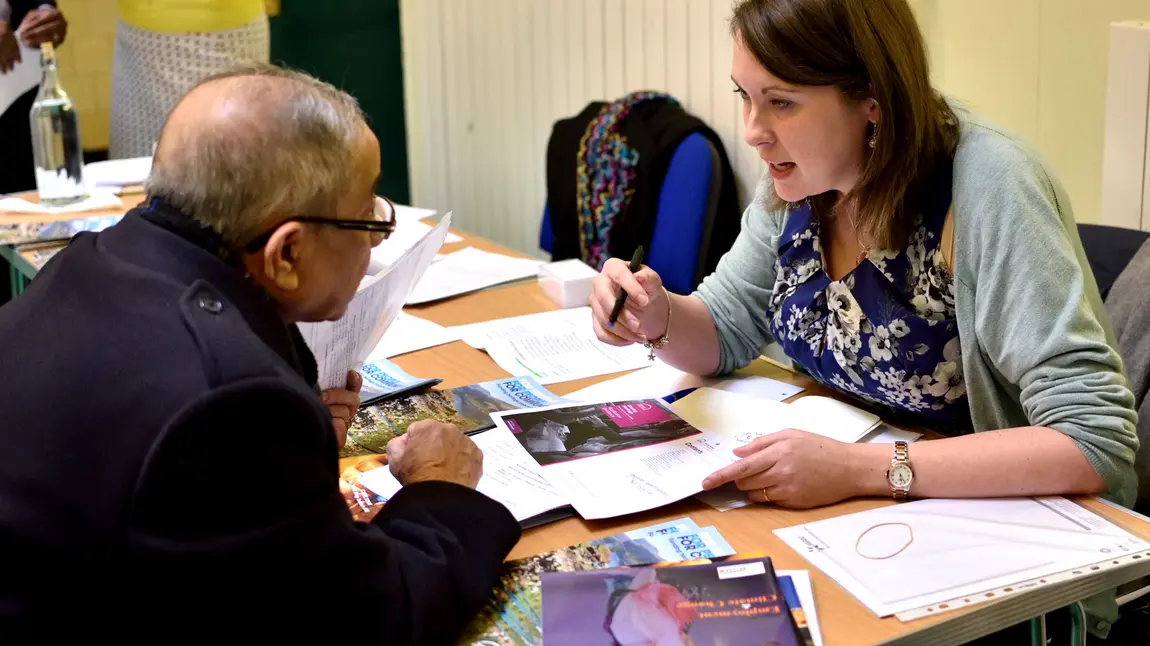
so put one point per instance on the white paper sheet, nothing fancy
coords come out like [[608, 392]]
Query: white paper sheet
[[118, 172], [564, 356], [510, 477], [802, 582], [745, 418], [478, 335], [886, 434], [409, 333], [761, 387], [951, 548], [468, 270], [345, 344], [405, 214], [24, 77], [601, 480]]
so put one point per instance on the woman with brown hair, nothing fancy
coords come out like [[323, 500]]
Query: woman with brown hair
[[904, 252]]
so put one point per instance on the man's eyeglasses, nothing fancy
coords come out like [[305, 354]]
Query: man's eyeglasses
[[381, 223]]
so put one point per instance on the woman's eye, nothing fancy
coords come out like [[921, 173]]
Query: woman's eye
[[781, 104], [741, 92]]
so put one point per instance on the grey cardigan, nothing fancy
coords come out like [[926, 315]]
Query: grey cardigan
[[1037, 348]]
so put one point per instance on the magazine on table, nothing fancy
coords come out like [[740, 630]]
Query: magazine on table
[[513, 615]]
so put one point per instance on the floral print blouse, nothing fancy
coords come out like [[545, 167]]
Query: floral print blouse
[[886, 331]]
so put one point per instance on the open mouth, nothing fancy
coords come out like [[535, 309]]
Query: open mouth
[[781, 169]]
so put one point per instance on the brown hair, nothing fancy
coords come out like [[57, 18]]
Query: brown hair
[[868, 49]]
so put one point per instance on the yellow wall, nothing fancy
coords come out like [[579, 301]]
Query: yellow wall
[[85, 62], [1037, 67]]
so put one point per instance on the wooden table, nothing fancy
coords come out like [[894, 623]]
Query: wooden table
[[843, 619]]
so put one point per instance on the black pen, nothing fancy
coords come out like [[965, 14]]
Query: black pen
[[636, 263]]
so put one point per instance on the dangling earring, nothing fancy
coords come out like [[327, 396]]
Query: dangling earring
[[873, 137]]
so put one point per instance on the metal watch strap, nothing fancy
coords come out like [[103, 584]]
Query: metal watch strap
[[901, 456]]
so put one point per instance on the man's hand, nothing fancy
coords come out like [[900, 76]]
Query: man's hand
[[343, 404], [44, 25], [433, 450], [9, 49]]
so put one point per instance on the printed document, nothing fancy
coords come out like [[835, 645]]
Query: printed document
[[345, 344], [906, 556], [478, 335], [510, 476], [469, 270]]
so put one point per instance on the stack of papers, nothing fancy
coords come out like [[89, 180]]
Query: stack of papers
[[468, 270], [343, 345], [409, 333]]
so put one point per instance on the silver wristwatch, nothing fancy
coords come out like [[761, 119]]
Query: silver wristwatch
[[900, 474]]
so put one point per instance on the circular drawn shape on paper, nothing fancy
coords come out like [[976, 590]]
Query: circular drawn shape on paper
[[884, 541]]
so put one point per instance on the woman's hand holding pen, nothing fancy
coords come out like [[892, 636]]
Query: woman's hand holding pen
[[644, 315]]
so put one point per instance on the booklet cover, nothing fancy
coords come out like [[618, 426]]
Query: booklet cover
[[513, 616], [713, 604], [468, 407], [383, 379]]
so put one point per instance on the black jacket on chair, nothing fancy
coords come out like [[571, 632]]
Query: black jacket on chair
[[166, 465]]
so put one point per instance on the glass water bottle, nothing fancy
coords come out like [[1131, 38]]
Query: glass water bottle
[[59, 157]]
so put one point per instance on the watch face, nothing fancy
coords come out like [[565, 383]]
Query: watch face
[[900, 476]]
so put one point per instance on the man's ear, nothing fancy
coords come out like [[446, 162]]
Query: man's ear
[[281, 257]]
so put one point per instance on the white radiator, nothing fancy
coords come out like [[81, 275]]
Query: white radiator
[[1126, 156]]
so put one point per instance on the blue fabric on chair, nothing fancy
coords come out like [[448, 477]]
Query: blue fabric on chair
[[546, 235], [684, 218], [682, 222]]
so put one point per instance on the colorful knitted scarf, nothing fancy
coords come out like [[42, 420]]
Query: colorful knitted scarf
[[605, 175]]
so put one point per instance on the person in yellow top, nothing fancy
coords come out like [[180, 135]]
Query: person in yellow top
[[165, 47]]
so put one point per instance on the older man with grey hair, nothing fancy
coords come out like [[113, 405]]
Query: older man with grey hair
[[167, 463]]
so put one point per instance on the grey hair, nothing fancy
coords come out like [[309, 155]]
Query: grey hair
[[285, 151]]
